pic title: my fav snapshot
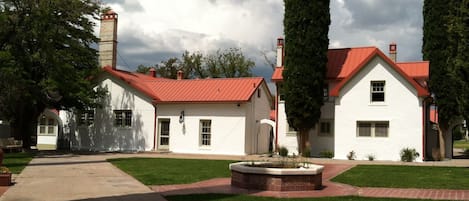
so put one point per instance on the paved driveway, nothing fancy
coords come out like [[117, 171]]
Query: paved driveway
[[75, 177]]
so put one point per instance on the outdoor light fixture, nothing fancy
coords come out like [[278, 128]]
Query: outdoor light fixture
[[181, 117]]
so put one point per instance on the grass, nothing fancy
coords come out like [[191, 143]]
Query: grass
[[406, 177], [462, 144], [163, 171], [227, 197], [16, 162]]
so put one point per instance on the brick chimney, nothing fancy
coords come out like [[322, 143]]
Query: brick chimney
[[152, 72], [393, 51], [108, 40], [180, 75], [280, 52]]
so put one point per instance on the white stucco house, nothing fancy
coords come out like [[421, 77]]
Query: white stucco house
[[373, 106], [142, 112]]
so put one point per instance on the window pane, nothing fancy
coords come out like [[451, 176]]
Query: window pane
[[381, 129], [118, 118], [50, 130], [325, 128], [364, 129], [205, 135], [42, 129], [377, 97], [377, 91], [43, 120], [128, 118]]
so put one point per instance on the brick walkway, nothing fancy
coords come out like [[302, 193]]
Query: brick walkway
[[223, 186]]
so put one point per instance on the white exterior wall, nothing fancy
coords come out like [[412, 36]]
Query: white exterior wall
[[227, 127], [103, 135], [257, 134], [402, 108], [323, 143], [285, 138]]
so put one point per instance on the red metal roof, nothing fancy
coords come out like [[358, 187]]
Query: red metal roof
[[419, 69], [344, 63], [206, 90], [163, 90]]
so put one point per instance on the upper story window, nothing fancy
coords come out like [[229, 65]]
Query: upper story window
[[377, 91], [123, 118], [325, 127]]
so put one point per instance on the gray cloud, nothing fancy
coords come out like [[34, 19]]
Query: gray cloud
[[129, 5]]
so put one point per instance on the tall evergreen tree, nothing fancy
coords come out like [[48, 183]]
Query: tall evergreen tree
[[45, 58], [445, 45], [306, 44]]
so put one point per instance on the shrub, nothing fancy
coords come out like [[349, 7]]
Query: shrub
[[371, 157], [351, 155], [283, 151], [409, 155], [326, 154], [306, 153]]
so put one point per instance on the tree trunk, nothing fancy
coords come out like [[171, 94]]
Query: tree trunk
[[24, 124], [442, 130], [303, 141]]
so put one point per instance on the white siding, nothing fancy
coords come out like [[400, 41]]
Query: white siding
[[285, 138], [258, 135], [103, 135], [402, 108], [228, 127]]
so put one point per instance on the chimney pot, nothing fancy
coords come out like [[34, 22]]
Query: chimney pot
[[152, 72], [180, 75], [393, 51]]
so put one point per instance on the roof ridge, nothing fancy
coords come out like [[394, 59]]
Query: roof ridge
[[411, 62], [363, 47]]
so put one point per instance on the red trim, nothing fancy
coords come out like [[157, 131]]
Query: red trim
[[424, 127], [155, 131], [420, 90], [276, 117]]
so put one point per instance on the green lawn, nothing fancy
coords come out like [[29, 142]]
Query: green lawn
[[16, 162], [226, 197], [406, 177], [462, 144], [162, 171]]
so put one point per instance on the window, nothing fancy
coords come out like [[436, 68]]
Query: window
[[325, 128], [325, 91], [373, 129], [259, 93], [123, 118], [86, 118], [377, 91], [164, 133], [47, 126], [205, 132]]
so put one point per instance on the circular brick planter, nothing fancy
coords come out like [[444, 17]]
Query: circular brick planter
[[307, 177]]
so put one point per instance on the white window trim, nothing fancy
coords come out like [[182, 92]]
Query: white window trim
[[371, 92], [124, 118], [373, 126], [200, 133], [87, 121]]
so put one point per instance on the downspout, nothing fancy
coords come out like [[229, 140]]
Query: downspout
[[424, 127], [155, 129], [276, 118]]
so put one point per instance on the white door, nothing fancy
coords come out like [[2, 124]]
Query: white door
[[163, 141]]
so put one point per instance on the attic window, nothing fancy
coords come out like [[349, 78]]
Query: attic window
[[259, 93], [377, 91]]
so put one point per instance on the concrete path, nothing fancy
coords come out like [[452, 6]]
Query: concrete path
[[57, 177], [75, 177]]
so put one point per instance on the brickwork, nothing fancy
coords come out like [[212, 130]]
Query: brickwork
[[276, 182]]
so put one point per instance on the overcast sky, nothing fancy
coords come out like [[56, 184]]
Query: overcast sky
[[150, 31]]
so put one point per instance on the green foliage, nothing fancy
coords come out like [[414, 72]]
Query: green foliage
[[409, 155], [45, 47], [388, 176], [223, 63], [16, 162], [306, 44], [371, 157], [142, 69], [283, 151], [326, 154], [446, 45], [162, 171], [240, 197], [306, 153], [461, 144]]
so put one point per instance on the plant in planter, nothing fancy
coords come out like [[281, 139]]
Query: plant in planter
[[5, 176], [409, 155], [351, 155]]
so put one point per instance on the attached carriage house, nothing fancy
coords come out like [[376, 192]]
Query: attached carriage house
[[147, 113], [373, 106]]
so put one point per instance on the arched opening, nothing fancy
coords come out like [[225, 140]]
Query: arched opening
[[460, 142], [272, 133], [48, 128]]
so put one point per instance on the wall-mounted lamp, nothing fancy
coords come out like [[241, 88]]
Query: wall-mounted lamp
[[181, 117]]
